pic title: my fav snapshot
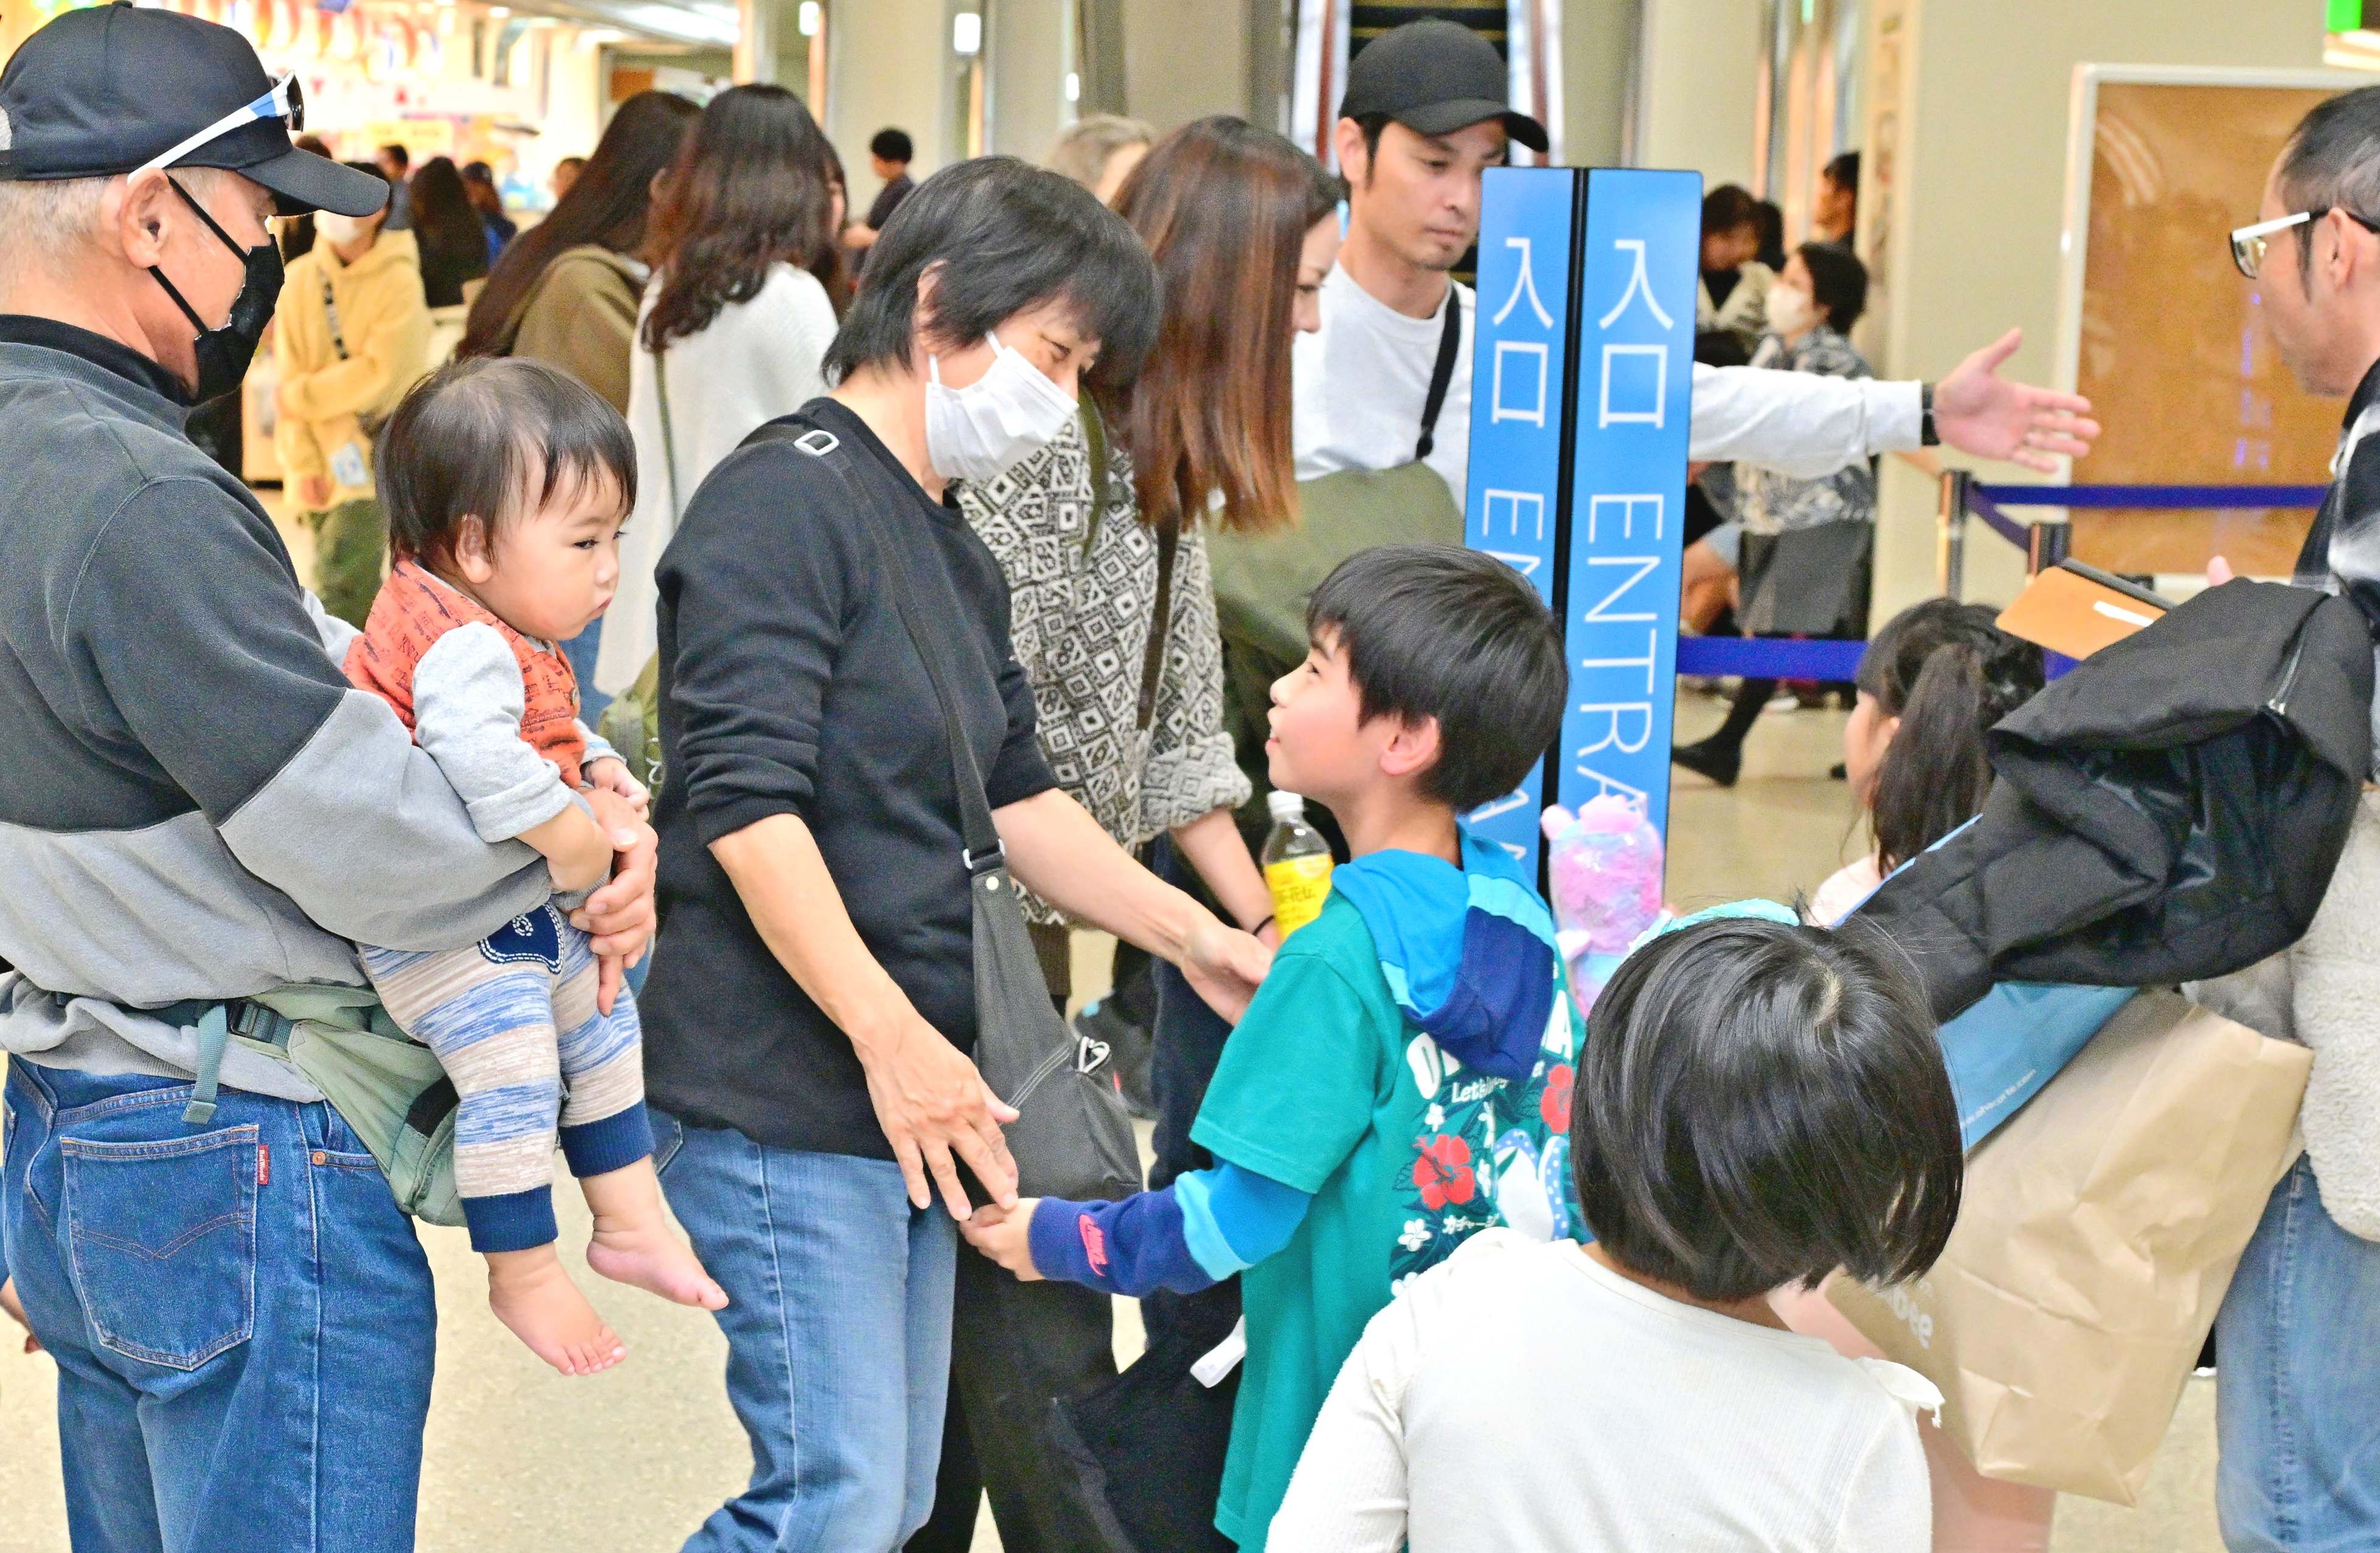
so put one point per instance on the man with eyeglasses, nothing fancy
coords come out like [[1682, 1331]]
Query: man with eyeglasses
[[196, 808], [2297, 1342]]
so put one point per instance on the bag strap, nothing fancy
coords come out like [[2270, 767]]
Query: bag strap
[[1152, 658], [981, 848], [213, 1023], [669, 440], [330, 306], [1441, 373]]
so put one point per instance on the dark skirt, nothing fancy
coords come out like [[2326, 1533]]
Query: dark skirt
[[1807, 582]]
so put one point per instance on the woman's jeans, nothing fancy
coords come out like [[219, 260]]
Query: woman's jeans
[[838, 1336], [241, 1317], [2297, 1398]]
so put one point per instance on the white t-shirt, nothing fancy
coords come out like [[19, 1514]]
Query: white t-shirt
[[1361, 381], [1522, 1396]]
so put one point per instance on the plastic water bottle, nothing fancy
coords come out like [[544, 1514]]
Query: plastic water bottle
[[1296, 864]]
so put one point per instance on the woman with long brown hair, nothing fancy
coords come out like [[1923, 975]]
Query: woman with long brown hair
[[1103, 536], [735, 327], [453, 239]]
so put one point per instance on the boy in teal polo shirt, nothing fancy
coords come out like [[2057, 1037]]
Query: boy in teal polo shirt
[[1402, 1078]]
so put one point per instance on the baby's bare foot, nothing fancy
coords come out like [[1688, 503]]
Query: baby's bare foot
[[649, 1257], [634, 1243], [532, 1294]]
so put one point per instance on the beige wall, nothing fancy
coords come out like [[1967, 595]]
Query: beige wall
[[1599, 53], [1026, 71], [1700, 68], [888, 64], [1183, 59], [1981, 153]]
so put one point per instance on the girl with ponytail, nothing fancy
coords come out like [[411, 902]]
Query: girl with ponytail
[[1932, 682]]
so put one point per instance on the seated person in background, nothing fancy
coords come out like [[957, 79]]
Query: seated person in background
[[1393, 1086], [1757, 1102], [1730, 306], [507, 482], [1804, 543]]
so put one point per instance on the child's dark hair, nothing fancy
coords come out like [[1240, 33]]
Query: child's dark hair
[[1837, 283], [1949, 673], [1759, 1103], [491, 439], [1438, 631]]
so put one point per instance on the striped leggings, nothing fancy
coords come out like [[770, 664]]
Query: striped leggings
[[513, 1018]]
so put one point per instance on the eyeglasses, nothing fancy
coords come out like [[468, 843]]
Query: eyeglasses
[[286, 100], [2248, 243]]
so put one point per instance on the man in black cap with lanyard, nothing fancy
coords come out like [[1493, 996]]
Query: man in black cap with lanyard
[[196, 808]]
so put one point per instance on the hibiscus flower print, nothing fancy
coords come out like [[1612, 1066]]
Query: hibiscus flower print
[[1553, 1104], [1443, 1175]]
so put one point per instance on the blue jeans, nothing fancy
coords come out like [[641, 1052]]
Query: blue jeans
[[241, 1317], [2297, 1403], [838, 1337]]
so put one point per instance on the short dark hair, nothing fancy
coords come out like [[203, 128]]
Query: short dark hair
[[1759, 1103], [1002, 237], [1439, 631], [397, 154], [1371, 127], [489, 438], [1842, 171], [1730, 208], [1837, 283], [2333, 160], [891, 145]]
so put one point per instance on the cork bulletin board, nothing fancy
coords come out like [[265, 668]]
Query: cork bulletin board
[[2163, 334]]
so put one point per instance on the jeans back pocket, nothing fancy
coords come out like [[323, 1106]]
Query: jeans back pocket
[[164, 1243]]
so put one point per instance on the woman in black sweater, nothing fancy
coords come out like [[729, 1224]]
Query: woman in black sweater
[[809, 1021]]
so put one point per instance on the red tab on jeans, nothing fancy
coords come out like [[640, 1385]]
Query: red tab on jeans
[[264, 1164]]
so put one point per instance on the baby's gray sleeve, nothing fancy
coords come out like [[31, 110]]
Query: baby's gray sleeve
[[468, 704]]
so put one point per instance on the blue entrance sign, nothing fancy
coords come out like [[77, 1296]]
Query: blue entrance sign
[[1628, 484], [1582, 375], [1520, 349]]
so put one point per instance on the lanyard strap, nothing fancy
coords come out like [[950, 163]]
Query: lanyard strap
[[330, 306]]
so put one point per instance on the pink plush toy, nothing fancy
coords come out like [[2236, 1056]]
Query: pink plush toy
[[1605, 865]]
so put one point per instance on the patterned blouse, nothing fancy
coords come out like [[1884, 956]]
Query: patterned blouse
[[1082, 578], [1770, 503]]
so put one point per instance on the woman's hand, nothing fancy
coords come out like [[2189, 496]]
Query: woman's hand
[[1004, 1234], [9, 1301], [610, 774], [933, 1105], [1225, 966]]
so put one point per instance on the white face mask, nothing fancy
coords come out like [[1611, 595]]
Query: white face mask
[[998, 421], [1790, 310], [332, 228]]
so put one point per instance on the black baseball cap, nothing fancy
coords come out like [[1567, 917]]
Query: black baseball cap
[[110, 89], [1434, 76]]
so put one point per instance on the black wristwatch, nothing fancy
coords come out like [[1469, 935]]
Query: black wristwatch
[[1928, 434]]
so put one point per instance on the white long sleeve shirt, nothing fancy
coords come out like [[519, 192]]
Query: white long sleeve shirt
[[756, 361], [1361, 381], [1523, 1397]]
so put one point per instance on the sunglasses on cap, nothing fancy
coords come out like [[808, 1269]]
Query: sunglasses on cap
[[286, 100], [2248, 243]]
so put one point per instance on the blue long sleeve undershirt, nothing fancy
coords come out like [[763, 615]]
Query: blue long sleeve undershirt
[[1194, 1233]]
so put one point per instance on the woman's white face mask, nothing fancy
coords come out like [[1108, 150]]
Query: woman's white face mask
[[332, 228], [998, 421]]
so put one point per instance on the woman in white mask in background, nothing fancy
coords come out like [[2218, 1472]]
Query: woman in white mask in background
[[811, 1013], [351, 335], [1805, 544]]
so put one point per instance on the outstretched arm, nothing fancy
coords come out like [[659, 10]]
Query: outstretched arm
[[1197, 1232]]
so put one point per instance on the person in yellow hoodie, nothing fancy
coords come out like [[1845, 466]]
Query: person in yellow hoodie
[[351, 336]]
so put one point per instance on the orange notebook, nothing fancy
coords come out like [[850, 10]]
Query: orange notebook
[[2076, 610]]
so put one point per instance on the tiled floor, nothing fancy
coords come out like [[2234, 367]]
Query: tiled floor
[[521, 1460]]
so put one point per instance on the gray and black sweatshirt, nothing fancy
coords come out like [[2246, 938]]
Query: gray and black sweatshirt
[[194, 802]]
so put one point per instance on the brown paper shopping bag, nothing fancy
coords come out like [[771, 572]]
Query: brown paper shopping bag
[[2099, 1233]]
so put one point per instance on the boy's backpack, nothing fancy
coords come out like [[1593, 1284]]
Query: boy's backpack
[[387, 1087], [632, 724]]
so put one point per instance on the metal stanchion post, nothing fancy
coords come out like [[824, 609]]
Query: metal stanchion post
[[1950, 555], [2049, 543]]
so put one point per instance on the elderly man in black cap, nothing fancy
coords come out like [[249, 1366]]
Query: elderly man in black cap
[[196, 810]]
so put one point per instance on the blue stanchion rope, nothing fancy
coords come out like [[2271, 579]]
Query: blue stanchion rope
[[1768, 658], [2176, 497]]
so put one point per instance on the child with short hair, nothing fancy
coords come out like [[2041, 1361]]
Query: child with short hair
[[1757, 1103], [506, 484], [1402, 1078]]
